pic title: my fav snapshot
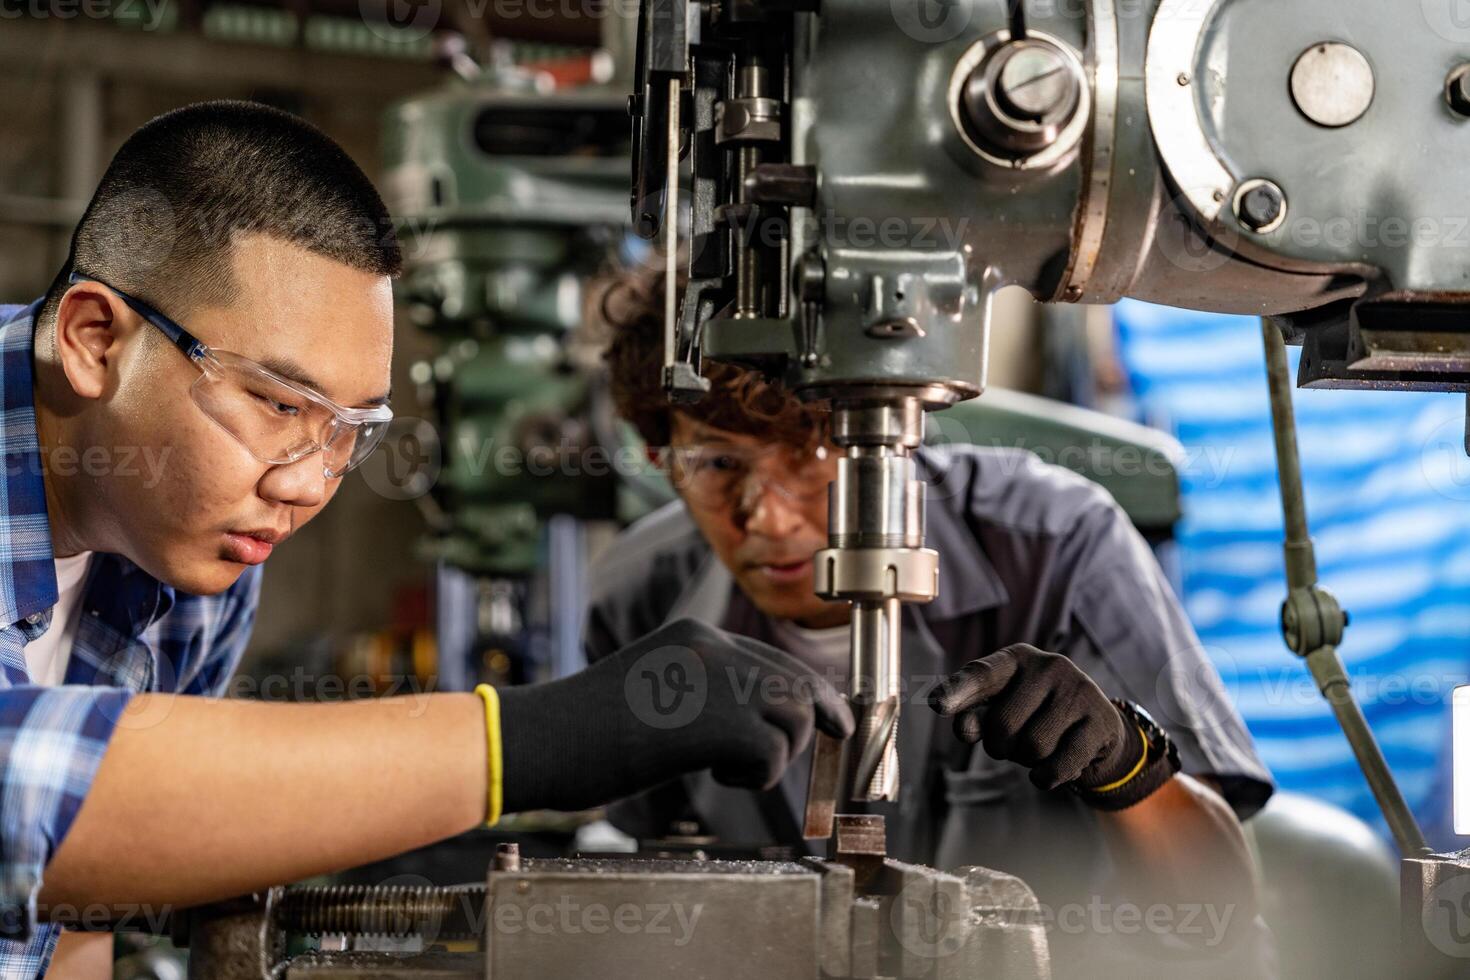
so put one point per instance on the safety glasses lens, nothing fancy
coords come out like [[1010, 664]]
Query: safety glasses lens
[[279, 424], [351, 444]]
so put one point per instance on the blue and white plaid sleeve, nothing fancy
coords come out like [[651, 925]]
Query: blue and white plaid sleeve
[[52, 740], [225, 636]]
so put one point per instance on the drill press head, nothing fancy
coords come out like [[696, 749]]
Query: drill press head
[[851, 182], [876, 560]]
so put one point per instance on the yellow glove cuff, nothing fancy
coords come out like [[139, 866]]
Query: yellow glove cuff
[[1119, 784], [495, 779]]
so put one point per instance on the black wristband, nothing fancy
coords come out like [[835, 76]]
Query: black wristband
[[1148, 761]]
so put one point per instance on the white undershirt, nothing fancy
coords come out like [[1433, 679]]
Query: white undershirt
[[826, 651], [47, 654]]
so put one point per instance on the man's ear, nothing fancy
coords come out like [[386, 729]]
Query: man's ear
[[86, 333]]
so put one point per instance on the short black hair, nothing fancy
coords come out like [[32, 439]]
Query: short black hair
[[163, 220]]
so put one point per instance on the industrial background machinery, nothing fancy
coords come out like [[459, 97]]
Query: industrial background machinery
[[509, 196], [849, 186]]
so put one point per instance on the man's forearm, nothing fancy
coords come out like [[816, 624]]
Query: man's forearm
[[82, 956], [1183, 845], [197, 800]]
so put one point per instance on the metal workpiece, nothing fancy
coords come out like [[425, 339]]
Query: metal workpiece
[[384, 966]]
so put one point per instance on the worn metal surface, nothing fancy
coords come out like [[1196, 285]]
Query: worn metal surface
[[860, 915], [823, 787], [236, 940], [691, 919], [386, 966]]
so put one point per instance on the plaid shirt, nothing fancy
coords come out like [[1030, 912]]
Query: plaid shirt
[[135, 634]]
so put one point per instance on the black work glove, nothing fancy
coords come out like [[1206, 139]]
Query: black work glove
[[1042, 711], [684, 698]]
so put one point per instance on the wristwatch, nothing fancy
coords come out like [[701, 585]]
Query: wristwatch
[[1160, 761], [1160, 745]]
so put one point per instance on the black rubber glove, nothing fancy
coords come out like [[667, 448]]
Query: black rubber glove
[[684, 698], [1042, 711]]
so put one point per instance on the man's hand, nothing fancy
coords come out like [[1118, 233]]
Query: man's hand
[[1174, 841], [259, 794], [1042, 711], [684, 698]]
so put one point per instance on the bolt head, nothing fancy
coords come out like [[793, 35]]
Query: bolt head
[[1261, 206], [1034, 83], [1020, 99]]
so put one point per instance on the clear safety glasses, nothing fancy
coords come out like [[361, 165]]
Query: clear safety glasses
[[278, 420], [711, 476]]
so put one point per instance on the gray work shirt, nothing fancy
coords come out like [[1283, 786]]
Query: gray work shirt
[[1028, 553]]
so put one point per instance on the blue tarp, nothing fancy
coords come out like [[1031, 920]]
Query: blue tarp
[[1388, 501]]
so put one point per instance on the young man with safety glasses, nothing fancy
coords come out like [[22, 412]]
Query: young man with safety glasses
[[1075, 688], [226, 314]]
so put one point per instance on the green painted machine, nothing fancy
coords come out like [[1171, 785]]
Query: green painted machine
[[507, 199]]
